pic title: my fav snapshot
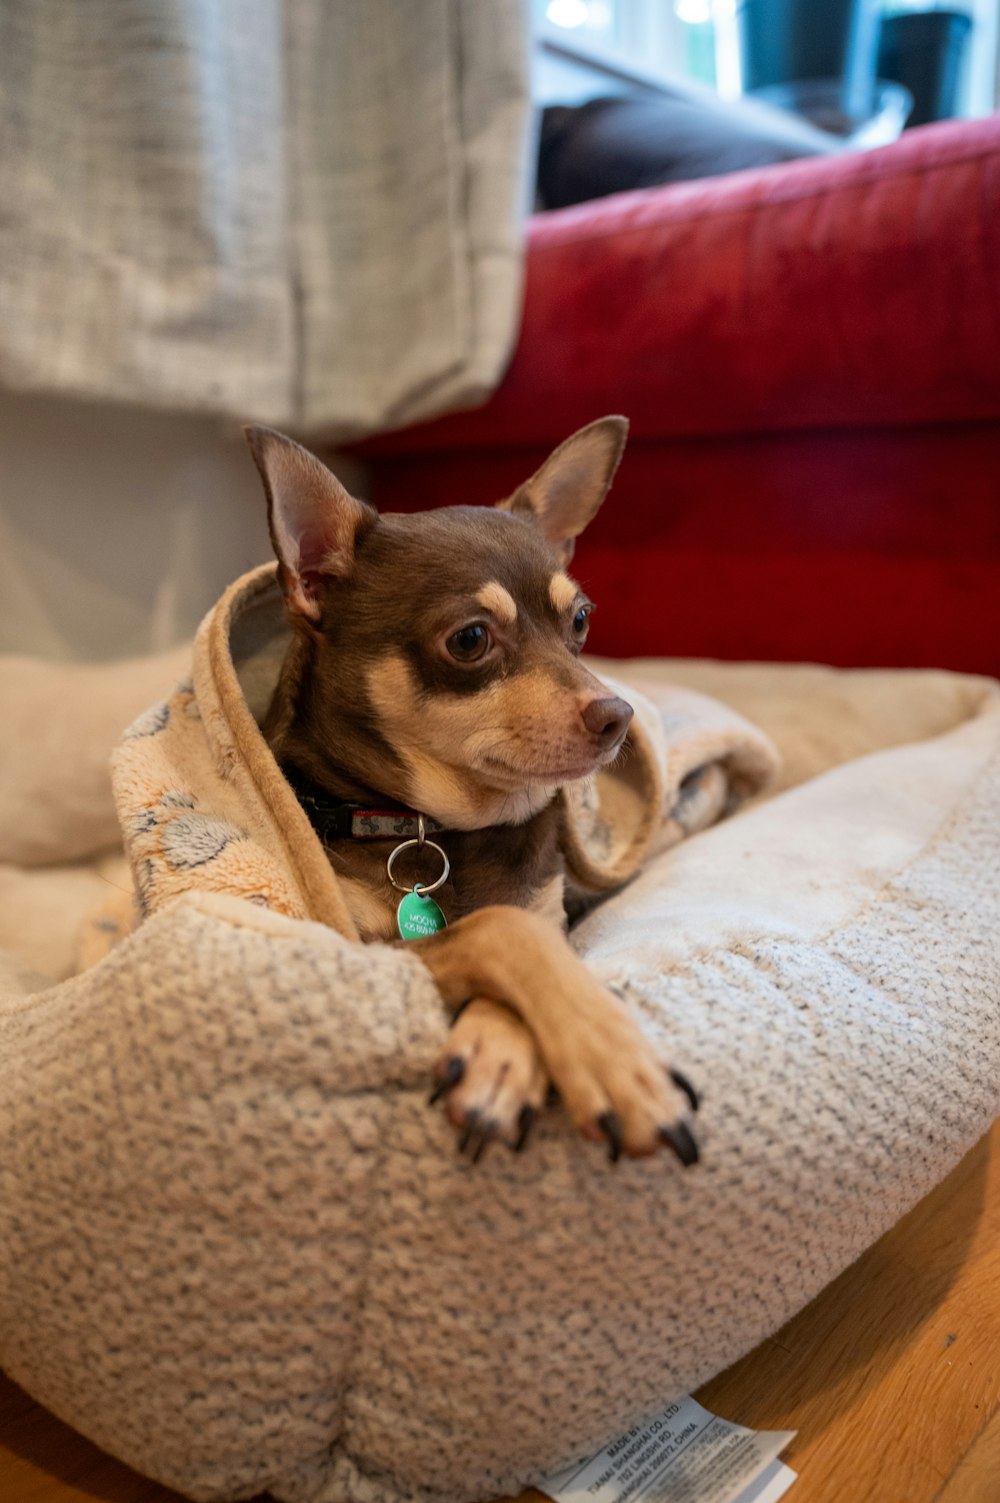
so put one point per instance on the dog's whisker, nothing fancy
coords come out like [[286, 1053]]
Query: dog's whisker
[[128, 891]]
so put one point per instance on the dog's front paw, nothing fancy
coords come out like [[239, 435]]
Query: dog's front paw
[[618, 1092], [492, 1078]]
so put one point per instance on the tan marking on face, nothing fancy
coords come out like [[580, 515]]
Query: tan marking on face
[[562, 592], [423, 735], [493, 757], [493, 597]]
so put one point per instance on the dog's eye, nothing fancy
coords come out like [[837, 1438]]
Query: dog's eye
[[469, 644], [580, 621]]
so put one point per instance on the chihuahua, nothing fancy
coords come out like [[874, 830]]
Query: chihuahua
[[430, 706]]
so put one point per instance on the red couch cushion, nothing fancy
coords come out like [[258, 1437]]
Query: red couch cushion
[[855, 289], [810, 356]]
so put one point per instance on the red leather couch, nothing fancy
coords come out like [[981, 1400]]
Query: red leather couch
[[810, 358]]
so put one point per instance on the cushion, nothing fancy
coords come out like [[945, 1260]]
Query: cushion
[[610, 145], [240, 1251], [60, 722]]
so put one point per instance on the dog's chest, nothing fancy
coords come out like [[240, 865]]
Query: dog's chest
[[521, 865]]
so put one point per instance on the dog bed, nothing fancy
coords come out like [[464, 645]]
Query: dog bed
[[240, 1251]]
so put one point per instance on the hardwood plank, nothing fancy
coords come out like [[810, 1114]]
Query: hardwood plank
[[44, 1461], [977, 1479], [891, 1376]]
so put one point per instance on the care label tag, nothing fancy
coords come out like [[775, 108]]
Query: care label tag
[[417, 916], [684, 1455]]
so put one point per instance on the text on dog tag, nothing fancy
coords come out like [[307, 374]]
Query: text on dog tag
[[417, 916]]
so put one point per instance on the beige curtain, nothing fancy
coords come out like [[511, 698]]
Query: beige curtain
[[302, 211]]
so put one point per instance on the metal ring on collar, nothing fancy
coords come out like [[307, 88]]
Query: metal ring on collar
[[420, 889]]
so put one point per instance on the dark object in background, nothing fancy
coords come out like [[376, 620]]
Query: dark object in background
[[923, 51], [785, 40], [610, 145], [822, 102]]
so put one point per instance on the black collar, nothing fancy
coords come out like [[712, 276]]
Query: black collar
[[339, 819]]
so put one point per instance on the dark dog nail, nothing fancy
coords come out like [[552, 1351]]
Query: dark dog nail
[[487, 1134], [471, 1130], [683, 1084], [525, 1122], [612, 1130], [454, 1070], [680, 1139]]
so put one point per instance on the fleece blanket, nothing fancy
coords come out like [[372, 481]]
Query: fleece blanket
[[240, 1252], [204, 807]]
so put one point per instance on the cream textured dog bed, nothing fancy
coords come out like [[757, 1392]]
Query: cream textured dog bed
[[240, 1252]]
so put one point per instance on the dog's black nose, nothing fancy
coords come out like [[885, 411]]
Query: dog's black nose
[[607, 719]]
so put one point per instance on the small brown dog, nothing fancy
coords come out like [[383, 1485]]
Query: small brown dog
[[433, 690]]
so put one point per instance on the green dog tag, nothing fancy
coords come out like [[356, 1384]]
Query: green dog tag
[[417, 916]]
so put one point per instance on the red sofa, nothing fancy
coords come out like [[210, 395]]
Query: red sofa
[[810, 358]]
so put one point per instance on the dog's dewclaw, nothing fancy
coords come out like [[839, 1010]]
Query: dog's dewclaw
[[681, 1140]]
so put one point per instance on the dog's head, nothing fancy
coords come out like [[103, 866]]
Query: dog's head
[[446, 644]]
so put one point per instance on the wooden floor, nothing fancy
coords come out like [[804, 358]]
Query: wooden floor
[[891, 1376]]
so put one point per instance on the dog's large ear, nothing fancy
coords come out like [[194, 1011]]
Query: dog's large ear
[[564, 495], [314, 523]]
